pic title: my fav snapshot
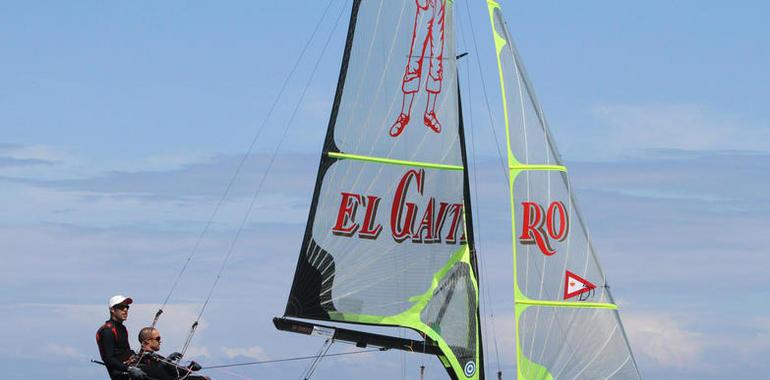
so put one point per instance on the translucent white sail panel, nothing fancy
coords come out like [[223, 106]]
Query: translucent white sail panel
[[567, 323], [387, 240]]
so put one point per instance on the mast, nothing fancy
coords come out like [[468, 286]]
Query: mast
[[469, 219]]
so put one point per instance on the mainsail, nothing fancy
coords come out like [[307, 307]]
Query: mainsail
[[389, 240], [568, 325]]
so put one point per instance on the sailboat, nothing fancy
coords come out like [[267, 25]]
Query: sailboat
[[389, 240]]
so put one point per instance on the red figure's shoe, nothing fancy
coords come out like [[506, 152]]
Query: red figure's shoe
[[399, 125], [432, 122]]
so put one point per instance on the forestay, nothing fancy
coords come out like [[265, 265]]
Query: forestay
[[389, 239], [568, 325]]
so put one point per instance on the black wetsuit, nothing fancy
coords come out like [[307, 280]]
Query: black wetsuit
[[112, 339], [158, 367]]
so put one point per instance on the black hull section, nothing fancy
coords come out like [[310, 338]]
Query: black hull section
[[360, 338]]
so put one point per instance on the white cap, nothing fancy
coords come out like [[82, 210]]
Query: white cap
[[119, 299]]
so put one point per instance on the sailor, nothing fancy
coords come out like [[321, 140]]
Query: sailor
[[158, 367], [112, 340]]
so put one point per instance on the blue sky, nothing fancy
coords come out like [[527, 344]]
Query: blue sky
[[121, 125]]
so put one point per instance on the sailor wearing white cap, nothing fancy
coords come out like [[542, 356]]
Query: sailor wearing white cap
[[112, 339], [119, 299]]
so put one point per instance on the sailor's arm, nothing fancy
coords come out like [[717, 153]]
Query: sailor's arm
[[107, 339]]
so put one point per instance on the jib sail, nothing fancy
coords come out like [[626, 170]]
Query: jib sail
[[568, 325], [389, 240]]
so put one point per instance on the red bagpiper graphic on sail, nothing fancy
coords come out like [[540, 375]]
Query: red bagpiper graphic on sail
[[575, 285], [428, 33]]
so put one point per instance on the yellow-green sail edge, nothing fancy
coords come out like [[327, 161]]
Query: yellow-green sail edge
[[524, 366], [411, 317]]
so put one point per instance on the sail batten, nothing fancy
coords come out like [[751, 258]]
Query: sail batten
[[390, 161]]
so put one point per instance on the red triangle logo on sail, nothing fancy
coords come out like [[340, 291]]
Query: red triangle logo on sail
[[575, 285]]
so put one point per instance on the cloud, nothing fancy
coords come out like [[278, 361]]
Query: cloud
[[141, 224], [193, 178], [37, 153], [173, 198], [167, 162], [64, 351], [30, 161], [614, 131], [81, 321], [197, 352], [663, 338], [253, 352], [685, 127], [763, 325], [6, 162]]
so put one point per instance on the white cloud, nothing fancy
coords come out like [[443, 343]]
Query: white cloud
[[198, 352], [764, 327], [751, 345], [254, 352], [629, 128], [164, 162], [38, 161], [64, 351], [174, 325], [663, 338], [35, 152], [171, 197]]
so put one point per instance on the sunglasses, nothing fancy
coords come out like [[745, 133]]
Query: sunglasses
[[155, 339], [122, 307]]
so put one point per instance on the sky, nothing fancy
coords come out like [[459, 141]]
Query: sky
[[121, 125]]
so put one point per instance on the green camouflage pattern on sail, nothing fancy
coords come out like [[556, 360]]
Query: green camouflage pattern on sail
[[568, 326], [388, 240]]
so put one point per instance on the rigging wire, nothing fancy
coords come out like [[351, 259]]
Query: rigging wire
[[218, 366], [485, 289], [262, 182], [242, 162], [503, 165], [317, 360], [235, 374]]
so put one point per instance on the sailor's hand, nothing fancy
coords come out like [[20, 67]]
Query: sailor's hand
[[136, 373], [194, 366], [175, 356]]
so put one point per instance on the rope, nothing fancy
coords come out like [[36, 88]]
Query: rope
[[291, 359], [241, 164], [259, 187], [190, 335]]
